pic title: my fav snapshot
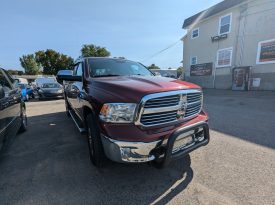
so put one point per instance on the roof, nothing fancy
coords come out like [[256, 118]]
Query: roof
[[226, 4]]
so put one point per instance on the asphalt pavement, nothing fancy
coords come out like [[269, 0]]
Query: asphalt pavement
[[49, 164]]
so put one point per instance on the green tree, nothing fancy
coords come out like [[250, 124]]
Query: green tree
[[53, 61], [30, 65], [91, 50], [153, 66], [179, 71]]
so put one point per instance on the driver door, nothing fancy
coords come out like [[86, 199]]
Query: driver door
[[76, 92]]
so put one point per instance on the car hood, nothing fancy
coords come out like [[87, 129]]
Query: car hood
[[133, 88]]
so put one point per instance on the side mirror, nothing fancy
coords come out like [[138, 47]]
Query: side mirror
[[67, 75]]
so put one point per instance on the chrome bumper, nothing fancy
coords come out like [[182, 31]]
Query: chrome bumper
[[125, 151], [122, 151]]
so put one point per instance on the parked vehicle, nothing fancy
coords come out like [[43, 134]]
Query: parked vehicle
[[21, 80], [169, 73], [39, 81], [50, 91], [12, 109], [26, 91], [130, 115]]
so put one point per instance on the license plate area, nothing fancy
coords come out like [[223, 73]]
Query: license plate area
[[183, 141]]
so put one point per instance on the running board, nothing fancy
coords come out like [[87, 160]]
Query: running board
[[81, 130]]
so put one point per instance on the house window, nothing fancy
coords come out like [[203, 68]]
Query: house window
[[224, 57], [193, 60], [195, 33], [225, 24]]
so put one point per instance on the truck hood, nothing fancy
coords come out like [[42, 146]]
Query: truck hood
[[133, 88]]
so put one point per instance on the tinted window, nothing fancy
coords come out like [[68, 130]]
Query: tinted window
[[116, 67], [79, 70]]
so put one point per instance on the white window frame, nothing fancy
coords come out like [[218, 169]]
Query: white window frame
[[220, 20], [231, 54], [259, 52], [191, 60], [193, 31]]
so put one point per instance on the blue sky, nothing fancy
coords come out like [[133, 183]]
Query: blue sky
[[135, 29]]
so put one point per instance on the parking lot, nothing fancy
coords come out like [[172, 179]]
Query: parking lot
[[49, 164]]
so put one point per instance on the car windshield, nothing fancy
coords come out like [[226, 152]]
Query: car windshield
[[51, 85], [103, 67]]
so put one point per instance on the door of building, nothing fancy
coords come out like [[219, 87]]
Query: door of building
[[241, 78]]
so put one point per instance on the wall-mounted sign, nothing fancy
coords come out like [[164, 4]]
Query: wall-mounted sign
[[220, 37], [201, 69], [266, 52]]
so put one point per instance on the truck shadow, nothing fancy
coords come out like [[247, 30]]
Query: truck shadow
[[146, 184], [50, 163]]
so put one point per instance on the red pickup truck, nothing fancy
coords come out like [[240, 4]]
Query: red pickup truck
[[130, 115]]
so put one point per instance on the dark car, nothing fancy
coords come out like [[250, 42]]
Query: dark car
[[50, 91], [131, 115], [12, 108]]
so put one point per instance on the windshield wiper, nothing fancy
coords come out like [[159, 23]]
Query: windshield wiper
[[108, 75]]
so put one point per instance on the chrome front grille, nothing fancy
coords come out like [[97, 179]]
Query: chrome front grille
[[166, 101], [166, 107], [194, 103], [158, 118]]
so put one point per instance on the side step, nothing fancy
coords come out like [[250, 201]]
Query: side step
[[81, 129]]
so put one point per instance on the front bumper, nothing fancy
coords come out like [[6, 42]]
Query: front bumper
[[126, 151], [51, 95]]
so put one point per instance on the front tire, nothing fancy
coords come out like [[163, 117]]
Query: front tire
[[96, 151], [67, 108]]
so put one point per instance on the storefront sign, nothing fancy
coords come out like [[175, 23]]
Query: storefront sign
[[201, 69], [266, 52]]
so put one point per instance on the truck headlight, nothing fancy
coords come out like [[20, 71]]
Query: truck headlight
[[118, 112]]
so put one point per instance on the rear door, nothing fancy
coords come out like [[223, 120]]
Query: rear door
[[3, 107], [10, 99]]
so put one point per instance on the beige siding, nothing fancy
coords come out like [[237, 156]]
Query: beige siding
[[251, 22]]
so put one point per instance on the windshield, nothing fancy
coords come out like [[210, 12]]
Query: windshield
[[102, 67], [51, 85]]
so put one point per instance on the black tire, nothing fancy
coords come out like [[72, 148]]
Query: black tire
[[67, 108], [96, 151], [24, 120]]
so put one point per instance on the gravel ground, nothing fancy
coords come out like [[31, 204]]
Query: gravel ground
[[49, 163]]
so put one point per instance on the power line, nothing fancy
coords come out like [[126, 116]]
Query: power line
[[161, 51]]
